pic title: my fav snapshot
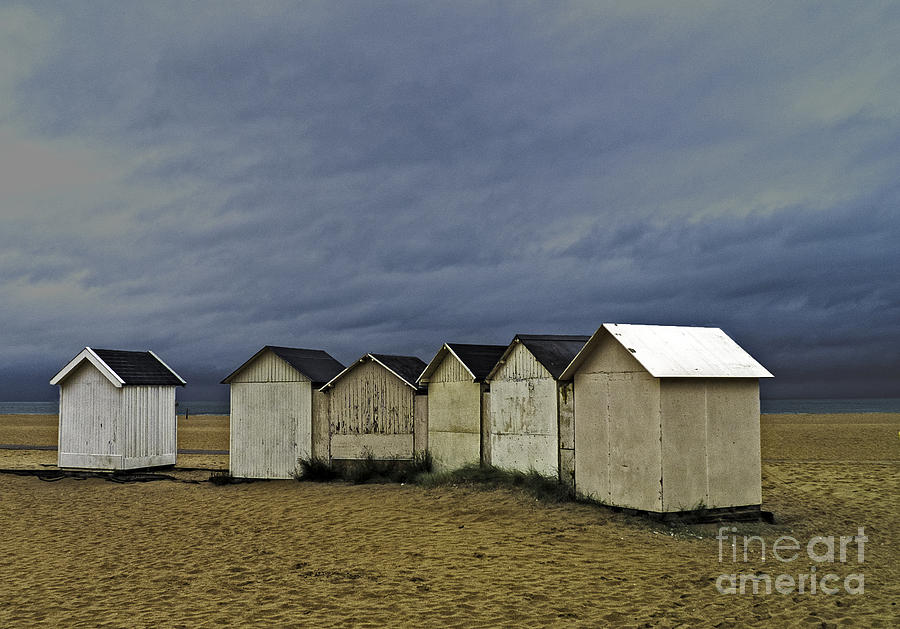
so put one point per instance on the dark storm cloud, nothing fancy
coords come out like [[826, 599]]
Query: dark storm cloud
[[204, 179]]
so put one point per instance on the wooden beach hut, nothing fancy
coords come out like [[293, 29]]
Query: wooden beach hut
[[378, 409], [116, 410], [278, 414], [531, 408], [666, 419], [459, 403]]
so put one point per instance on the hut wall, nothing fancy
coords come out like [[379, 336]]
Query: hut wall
[[270, 428], [485, 425], [669, 444], [372, 412], [149, 426], [90, 410], [566, 405], [617, 427], [321, 438], [269, 368], [733, 452], [524, 422], [684, 445], [454, 416], [716, 421], [420, 431]]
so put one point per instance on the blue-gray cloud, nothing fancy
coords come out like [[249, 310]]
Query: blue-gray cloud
[[204, 179]]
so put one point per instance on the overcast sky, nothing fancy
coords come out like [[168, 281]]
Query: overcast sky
[[206, 178]]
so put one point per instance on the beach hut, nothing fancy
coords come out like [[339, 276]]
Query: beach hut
[[531, 409], [378, 409], [278, 415], [116, 410], [459, 403], [666, 419]]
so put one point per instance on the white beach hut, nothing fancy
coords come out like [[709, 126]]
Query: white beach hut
[[278, 415], [459, 403], [378, 409], [666, 419], [531, 408], [116, 410]]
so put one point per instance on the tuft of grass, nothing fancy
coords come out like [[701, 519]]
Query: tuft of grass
[[221, 477], [315, 469], [365, 470], [474, 475]]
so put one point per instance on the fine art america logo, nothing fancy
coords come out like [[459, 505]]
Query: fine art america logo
[[824, 553]]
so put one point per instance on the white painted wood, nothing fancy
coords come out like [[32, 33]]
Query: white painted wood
[[271, 428], [87, 354], [104, 426], [268, 367], [90, 414]]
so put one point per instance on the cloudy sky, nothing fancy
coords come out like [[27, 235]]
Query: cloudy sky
[[205, 178]]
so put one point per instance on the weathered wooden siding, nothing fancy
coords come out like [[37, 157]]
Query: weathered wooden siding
[[268, 367], [485, 425], [321, 437], [371, 403], [420, 430], [149, 426], [90, 413], [454, 416], [271, 427], [450, 370], [524, 423], [566, 405]]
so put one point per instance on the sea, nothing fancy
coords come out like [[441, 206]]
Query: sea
[[775, 407]]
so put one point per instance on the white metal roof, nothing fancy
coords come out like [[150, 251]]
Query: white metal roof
[[668, 351]]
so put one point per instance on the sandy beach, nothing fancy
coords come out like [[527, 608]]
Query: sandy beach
[[187, 553]]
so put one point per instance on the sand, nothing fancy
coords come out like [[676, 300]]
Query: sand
[[282, 553]]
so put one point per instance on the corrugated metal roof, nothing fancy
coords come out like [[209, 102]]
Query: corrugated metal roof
[[668, 351], [138, 368]]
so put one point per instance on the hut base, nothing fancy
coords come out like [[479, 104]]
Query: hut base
[[113, 462], [747, 513]]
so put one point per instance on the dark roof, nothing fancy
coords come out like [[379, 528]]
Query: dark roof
[[317, 365], [479, 359], [407, 367], [553, 351], [138, 367]]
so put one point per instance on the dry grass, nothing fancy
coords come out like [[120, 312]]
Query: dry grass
[[282, 553]]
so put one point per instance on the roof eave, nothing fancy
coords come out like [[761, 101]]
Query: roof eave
[[91, 356]]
